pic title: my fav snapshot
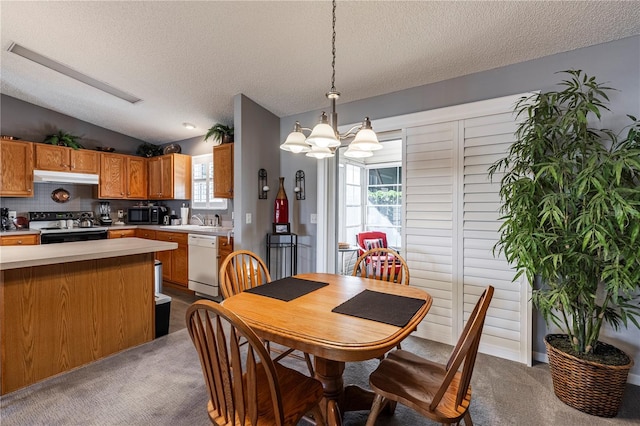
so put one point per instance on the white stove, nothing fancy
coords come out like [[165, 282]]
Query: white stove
[[63, 227]]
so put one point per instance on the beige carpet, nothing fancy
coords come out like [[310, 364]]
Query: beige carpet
[[160, 383]]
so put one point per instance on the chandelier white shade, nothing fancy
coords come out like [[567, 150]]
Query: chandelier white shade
[[296, 141], [323, 135], [319, 152], [324, 139]]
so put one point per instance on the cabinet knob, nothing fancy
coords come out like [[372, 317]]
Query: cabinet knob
[[19, 241]]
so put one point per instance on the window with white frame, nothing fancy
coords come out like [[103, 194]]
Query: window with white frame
[[352, 202], [384, 201], [202, 178]]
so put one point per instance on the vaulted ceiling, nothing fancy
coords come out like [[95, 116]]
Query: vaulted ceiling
[[186, 60]]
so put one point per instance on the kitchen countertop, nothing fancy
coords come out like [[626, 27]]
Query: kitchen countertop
[[14, 257], [222, 231], [20, 232]]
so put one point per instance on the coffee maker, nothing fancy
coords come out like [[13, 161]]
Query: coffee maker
[[105, 213], [6, 222]]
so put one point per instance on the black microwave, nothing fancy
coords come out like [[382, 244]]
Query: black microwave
[[150, 215]]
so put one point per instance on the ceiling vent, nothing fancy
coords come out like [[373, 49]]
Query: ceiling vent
[[69, 72]]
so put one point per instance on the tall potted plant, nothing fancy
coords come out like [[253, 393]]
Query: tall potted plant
[[571, 209]]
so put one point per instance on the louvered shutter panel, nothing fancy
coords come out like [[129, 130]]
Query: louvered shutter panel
[[429, 230], [486, 140], [451, 227]]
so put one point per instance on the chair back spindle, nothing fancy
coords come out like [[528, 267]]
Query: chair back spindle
[[383, 264], [242, 270]]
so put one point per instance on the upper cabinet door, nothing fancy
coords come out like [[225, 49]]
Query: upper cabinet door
[[113, 179], [170, 177], [85, 161], [166, 177], [16, 164], [155, 177], [137, 177], [223, 171], [64, 159], [53, 157]]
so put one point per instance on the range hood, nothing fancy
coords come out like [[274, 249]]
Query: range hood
[[40, 176]]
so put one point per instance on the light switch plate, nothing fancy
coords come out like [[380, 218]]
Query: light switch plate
[[248, 218], [313, 218]]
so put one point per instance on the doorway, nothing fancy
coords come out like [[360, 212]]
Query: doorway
[[369, 199]]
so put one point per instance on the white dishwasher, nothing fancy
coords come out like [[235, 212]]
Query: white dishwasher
[[203, 264]]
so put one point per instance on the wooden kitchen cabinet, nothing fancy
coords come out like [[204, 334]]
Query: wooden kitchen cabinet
[[225, 247], [64, 159], [122, 177], [175, 263], [223, 171], [146, 233], [20, 240], [16, 169], [136, 177], [121, 233], [170, 177]]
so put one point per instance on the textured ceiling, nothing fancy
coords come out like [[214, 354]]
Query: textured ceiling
[[186, 60]]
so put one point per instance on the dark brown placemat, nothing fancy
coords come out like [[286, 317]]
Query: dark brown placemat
[[381, 307], [287, 289]]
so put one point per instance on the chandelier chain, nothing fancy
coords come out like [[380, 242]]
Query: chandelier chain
[[333, 49]]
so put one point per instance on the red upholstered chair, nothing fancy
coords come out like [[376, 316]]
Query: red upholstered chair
[[371, 239]]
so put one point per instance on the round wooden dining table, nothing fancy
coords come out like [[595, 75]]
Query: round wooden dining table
[[307, 323]]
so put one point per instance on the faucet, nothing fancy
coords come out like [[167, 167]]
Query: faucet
[[196, 216]]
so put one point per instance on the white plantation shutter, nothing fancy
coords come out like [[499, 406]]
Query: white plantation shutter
[[429, 222], [487, 139], [452, 222]]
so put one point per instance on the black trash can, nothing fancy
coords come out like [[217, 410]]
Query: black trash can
[[163, 311]]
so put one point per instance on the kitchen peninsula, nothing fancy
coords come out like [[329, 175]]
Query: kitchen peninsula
[[65, 305]]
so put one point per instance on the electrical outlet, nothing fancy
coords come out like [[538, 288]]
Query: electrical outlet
[[248, 218], [314, 218]]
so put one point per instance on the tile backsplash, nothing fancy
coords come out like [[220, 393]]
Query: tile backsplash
[[84, 198], [81, 197]]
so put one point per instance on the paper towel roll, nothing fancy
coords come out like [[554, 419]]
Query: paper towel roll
[[184, 215]]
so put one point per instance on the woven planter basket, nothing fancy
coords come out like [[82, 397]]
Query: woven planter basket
[[587, 386]]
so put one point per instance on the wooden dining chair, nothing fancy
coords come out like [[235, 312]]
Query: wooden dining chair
[[242, 270], [245, 387], [382, 264], [437, 391]]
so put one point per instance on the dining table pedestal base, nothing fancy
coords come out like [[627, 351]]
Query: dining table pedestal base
[[346, 398]]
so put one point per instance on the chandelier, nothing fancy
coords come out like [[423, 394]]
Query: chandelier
[[324, 138]]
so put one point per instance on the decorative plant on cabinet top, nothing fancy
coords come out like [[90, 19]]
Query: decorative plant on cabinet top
[[220, 134], [63, 139]]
